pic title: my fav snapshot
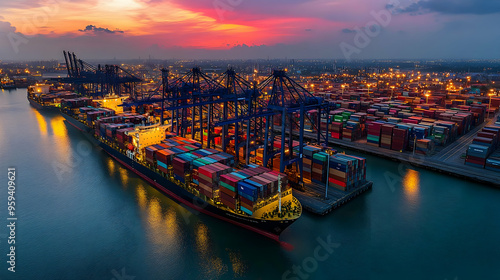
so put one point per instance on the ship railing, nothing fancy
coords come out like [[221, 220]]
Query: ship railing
[[271, 199], [288, 210]]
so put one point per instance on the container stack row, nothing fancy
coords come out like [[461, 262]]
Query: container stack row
[[307, 160], [319, 167], [374, 133], [213, 174], [483, 145], [346, 172], [76, 103], [208, 178], [336, 130], [440, 125], [386, 136], [351, 131], [341, 171]]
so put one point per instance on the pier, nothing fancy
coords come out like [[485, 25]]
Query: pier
[[313, 199]]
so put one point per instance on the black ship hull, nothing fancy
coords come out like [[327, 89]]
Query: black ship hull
[[78, 125], [268, 228], [39, 106]]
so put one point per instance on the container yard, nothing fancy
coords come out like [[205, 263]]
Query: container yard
[[437, 128], [448, 160]]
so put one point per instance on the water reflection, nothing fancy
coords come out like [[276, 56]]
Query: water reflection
[[111, 166], [54, 133], [237, 264], [42, 124], [212, 265], [202, 238], [124, 177], [155, 221], [162, 228], [171, 222], [58, 127], [411, 185], [141, 196], [63, 149]]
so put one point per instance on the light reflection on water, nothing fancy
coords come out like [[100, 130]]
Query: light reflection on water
[[111, 165], [53, 131], [237, 265], [124, 177], [212, 265], [162, 231], [160, 220], [141, 196], [411, 185], [42, 124], [202, 239], [59, 128]]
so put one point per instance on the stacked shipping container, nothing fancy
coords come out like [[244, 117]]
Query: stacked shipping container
[[213, 175], [483, 145], [346, 171]]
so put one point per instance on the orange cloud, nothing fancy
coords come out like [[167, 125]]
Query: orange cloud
[[171, 24]]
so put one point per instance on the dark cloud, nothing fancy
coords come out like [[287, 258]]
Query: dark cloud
[[452, 7], [6, 27], [411, 8], [347, 30], [93, 28], [308, 30]]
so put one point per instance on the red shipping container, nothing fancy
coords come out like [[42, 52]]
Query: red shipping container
[[229, 204], [247, 206], [227, 192], [246, 201], [336, 182], [162, 169], [226, 196]]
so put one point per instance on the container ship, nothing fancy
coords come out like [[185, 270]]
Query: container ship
[[6, 83], [254, 197], [43, 96]]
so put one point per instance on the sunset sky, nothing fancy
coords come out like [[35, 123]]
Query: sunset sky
[[358, 29]]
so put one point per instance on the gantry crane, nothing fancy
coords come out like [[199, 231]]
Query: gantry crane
[[89, 80]]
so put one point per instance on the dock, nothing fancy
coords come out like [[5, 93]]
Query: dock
[[313, 199], [447, 160]]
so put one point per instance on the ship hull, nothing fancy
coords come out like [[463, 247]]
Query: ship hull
[[78, 125], [268, 228], [39, 106]]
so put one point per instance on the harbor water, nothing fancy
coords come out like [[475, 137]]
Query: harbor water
[[81, 215]]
